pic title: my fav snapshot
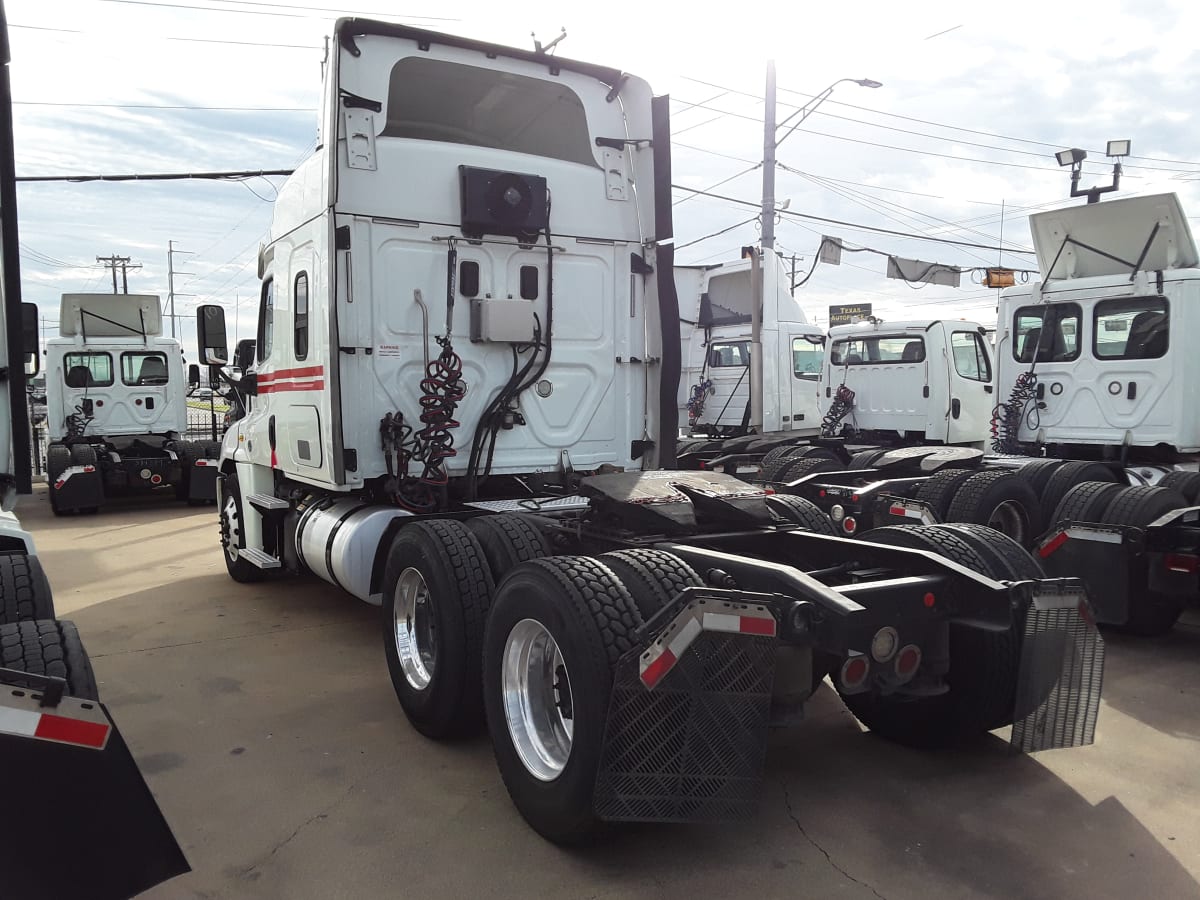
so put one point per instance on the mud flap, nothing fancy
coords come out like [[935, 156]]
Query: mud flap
[[1101, 555], [202, 480], [687, 722], [80, 821], [78, 487], [1062, 670]]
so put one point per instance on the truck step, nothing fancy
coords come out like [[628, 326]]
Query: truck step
[[259, 558], [265, 502]]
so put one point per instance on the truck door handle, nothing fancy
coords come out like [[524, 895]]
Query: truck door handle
[[1131, 391], [1041, 391], [955, 407], [987, 388]]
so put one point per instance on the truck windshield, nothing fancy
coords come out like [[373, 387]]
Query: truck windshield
[[870, 351], [84, 370], [807, 359], [144, 368], [434, 100]]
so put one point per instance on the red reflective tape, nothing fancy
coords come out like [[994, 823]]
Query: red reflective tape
[[751, 625], [71, 731], [1053, 544], [898, 511], [280, 374], [657, 669], [282, 386], [1182, 562]]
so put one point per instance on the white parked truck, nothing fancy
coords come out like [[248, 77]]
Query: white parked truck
[[1095, 436], [116, 406], [463, 409], [716, 311], [79, 820]]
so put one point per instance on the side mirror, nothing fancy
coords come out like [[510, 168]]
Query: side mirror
[[210, 335], [243, 354], [29, 338], [194, 375]]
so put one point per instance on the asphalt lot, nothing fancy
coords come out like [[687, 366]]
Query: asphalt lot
[[263, 720]]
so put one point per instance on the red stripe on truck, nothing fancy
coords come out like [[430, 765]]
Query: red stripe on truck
[[280, 374]]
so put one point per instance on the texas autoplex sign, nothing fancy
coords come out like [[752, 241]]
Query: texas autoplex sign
[[844, 315]]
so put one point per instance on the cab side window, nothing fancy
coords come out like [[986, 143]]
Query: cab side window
[[266, 319], [970, 356], [300, 332]]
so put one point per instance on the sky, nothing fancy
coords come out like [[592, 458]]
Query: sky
[[956, 145]]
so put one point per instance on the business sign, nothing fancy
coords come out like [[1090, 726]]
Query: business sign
[[846, 314]]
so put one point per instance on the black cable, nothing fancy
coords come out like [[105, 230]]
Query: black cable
[[717, 233], [159, 176]]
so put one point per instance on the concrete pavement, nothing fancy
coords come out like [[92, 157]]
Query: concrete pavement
[[264, 721]]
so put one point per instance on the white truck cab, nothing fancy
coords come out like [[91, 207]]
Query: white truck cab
[[716, 334], [923, 381], [1097, 355], [116, 405]]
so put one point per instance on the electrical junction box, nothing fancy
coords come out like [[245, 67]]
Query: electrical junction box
[[502, 321]]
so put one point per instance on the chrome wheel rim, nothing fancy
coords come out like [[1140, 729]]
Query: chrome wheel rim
[[538, 705], [230, 528], [1009, 518], [414, 629]]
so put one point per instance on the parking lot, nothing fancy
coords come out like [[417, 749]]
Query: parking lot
[[263, 719]]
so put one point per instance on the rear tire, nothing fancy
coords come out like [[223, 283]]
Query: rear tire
[[436, 592], [1000, 500], [1186, 483], [795, 469], [790, 508], [1085, 502], [653, 578], [984, 665], [1038, 473], [1066, 477], [49, 647], [1150, 612], [24, 590], [937, 491], [865, 459], [507, 540], [590, 617]]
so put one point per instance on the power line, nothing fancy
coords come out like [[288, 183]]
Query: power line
[[873, 228], [322, 11], [716, 233], [290, 109], [186, 39], [158, 176]]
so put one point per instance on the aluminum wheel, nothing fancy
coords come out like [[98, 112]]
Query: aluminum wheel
[[414, 629], [231, 527], [537, 699], [1009, 518]]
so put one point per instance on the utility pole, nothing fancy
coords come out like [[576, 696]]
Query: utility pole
[[112, 262], [769, 143], [171, 273]]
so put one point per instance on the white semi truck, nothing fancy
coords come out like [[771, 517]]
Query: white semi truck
[[717, 316], [463, 409], [79, 820], [116, 406], [1095, 437]]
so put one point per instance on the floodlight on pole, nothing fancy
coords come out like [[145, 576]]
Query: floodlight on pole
[[1075, 157]]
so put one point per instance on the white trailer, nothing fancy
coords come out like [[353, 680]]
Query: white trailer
[[716, 309], [463, 409], [116, 406]]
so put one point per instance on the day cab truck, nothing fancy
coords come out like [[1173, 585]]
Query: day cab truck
[[717, 328], [79, 820], [116, 406], [1094, 436], [463, 409]]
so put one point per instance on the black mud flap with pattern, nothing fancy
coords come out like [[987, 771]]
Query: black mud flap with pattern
[[1062, 670], [686, 734], [202, 482], [78, 487], [80, 821]]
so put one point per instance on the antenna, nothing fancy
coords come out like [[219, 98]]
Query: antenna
[[537, 45]]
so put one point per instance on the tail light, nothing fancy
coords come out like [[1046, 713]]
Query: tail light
[[908, 660], [855, 671], [849, 524], [1182, 562], [884, 644]]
